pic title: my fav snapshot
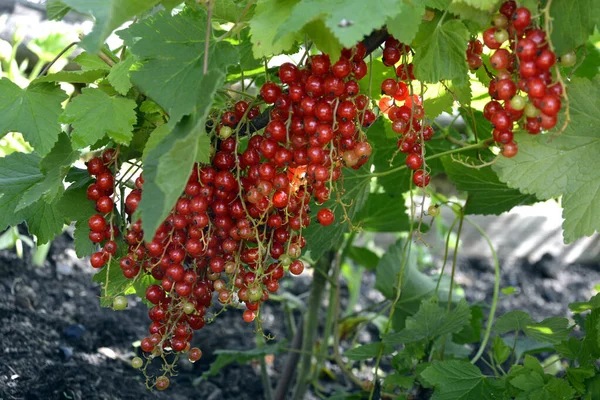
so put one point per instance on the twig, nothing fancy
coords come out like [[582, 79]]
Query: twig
[[59, 55]]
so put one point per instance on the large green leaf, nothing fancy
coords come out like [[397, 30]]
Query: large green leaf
[[94, 113], [481, 4], [44, 221], [264, 25], [119, 76], [566, 166], [551, 330], [82, 76], [75, 206], [461, 380], [442, 54], [487, 195], [383, 213], [431, 321], [405, 24], [33, 111], [55, 167], [349, 20], [19, 172], [572, 23], [56, 9], [171, 50], [109, 15], [167, 166], [369, 350]]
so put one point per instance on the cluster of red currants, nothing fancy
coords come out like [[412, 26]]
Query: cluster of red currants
[[238, 225], [405, 110], [101, 192], [524, 80]]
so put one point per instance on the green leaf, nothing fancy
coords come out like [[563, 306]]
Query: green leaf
[[481, 4], [572, 23], [475, 18], [119, 76], [431, 321], [33, 111], [117, 282], [565, 166], [383, 213], [90, 62], [383, 150], [75, 206], [435, 106], [44, 221], [204, 149], [551, 330], [226, 357], [456, 379], [55, 167], [439, 4], [355, 191], [363, 256], [87, 76], [19, 172], [487, 194], [263, 30], [405, 24], [388, 269], [349, 20], [580, 307], [512, 321], [367, 351], [448, 42], [167, 166], [229, 11], [56, 9], [156, 137], [500, 350], [578, 376], [528, 382], [324, 39], [108, 15], [94, 113], [171, 50]]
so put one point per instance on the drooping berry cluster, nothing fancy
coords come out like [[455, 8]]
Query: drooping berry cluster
[[524, 81], [102, 230], [238, 225], [405, 110]]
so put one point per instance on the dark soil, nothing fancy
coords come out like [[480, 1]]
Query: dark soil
[[52, 327]]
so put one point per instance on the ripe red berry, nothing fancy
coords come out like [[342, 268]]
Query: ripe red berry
[[325, 216]]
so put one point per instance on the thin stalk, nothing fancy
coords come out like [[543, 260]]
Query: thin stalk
[[461, 219], [332, 312], [264, 374], [59, 55], [311, 324], [287, 374], [490, 321]]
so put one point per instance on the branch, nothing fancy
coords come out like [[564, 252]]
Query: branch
[[371, 42]]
